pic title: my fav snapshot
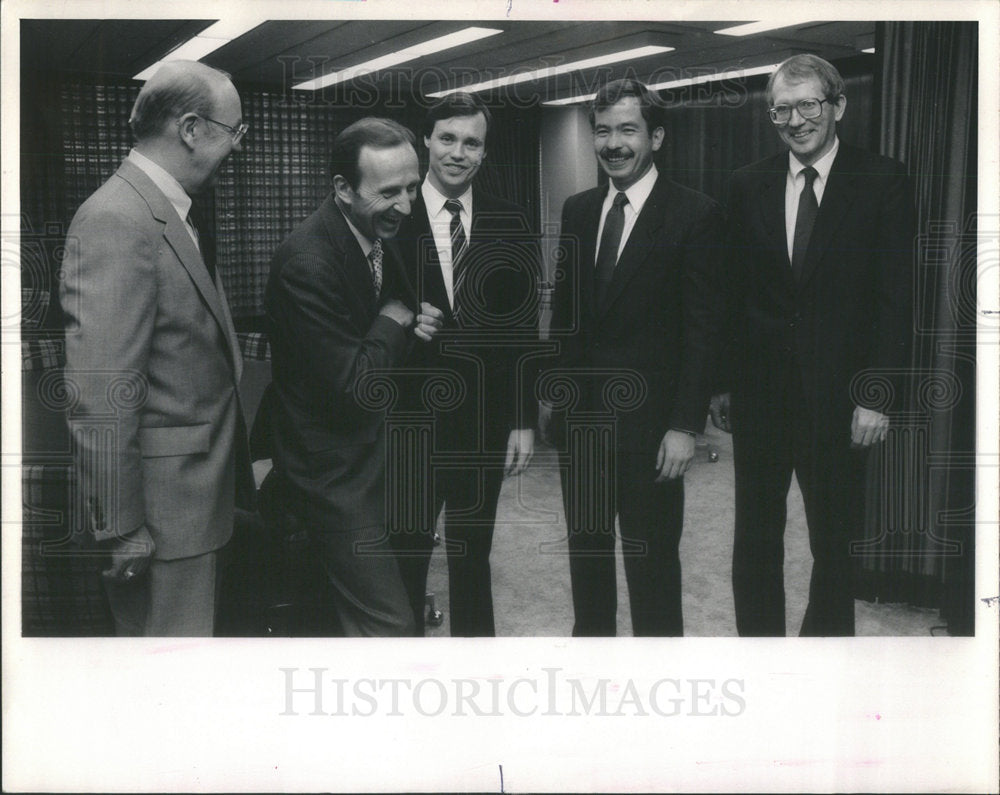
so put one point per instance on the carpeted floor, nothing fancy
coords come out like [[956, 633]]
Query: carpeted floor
[[531, 588]]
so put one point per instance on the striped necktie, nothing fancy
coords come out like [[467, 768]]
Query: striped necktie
[[459, 246]]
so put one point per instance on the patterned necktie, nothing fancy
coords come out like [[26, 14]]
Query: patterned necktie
[[611, 238], [375, 258], [808, 207], [459, 246]]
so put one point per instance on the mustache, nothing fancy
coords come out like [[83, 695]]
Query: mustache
[[618, 151]]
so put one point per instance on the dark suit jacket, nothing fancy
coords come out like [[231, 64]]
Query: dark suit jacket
[[326, 334], [660, 315], [503, 264], [852, 308], [154, 363]]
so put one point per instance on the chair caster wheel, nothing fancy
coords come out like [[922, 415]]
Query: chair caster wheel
[[435, 618], [713, 456]]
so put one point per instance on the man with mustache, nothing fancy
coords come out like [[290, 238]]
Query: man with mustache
[[339, 307], [474, 255], [636, 294], [821, 286]]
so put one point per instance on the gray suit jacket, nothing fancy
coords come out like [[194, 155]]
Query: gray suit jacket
[[152, 367]]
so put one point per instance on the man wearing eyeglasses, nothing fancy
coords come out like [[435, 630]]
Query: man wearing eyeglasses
[[160, 441], [821, 288]]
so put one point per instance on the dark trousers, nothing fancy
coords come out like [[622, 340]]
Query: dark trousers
[[832, 478], [366, 587], [650, 516], [468, 494]]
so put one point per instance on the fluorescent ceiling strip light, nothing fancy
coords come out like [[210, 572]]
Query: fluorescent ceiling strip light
[[759, 27], [456, 39], [687, 81], [552, 71], [868, 49], [209, 40]]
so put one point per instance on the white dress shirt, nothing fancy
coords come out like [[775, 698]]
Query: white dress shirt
[[795, 182], [440, 221], [637, 195]]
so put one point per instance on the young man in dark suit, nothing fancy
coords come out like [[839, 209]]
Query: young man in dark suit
[[473, 255], [821, 279], [340, 309], [635, 311]]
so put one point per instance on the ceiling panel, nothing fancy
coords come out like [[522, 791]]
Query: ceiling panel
[[279, 53]]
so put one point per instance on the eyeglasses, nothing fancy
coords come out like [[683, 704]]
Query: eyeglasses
[[236, 132], [807, 108]]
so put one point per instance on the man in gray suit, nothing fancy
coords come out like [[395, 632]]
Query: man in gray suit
[[159, 438]]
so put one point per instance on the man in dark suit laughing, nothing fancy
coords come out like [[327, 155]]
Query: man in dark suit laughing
[[340, 308]]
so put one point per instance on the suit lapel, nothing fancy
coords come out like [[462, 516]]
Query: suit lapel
[[179, 239], [428, 281], [771, 203], [589, 220], [357, 271], [838, 196]]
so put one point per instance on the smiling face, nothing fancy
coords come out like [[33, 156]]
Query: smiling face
[[387, 187], [809, 139], [624, 143], [457, 147]]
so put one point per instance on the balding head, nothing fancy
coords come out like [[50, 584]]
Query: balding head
[[177, 87]]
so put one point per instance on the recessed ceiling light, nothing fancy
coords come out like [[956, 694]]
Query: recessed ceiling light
[[759, 27], [209, 40], [456, 39], [552, 71], [868, 50], [730, 74]]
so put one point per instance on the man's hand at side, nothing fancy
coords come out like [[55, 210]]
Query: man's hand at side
[[675, 455], [130, 556]]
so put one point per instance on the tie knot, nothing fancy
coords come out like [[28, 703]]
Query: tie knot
[[810, 175], [620, 199], [454, 206]]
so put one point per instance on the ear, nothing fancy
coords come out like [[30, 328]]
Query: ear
[[187, 129], [657, 136], [427, 141], [343, 190], [839, 107]]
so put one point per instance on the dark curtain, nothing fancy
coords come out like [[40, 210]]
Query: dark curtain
[[920, 545]]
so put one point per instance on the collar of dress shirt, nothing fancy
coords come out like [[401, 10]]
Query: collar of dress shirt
[[822, 166], [364, 242], [162, 178], [637, 193], [434, 200]]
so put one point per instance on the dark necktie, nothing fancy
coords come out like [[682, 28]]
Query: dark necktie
[[375, 258], [607, 252], [206, 244], [459, 245], [808, 206]]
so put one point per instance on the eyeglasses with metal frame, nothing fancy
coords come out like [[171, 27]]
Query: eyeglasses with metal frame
[[236, 132], [808, 109]]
